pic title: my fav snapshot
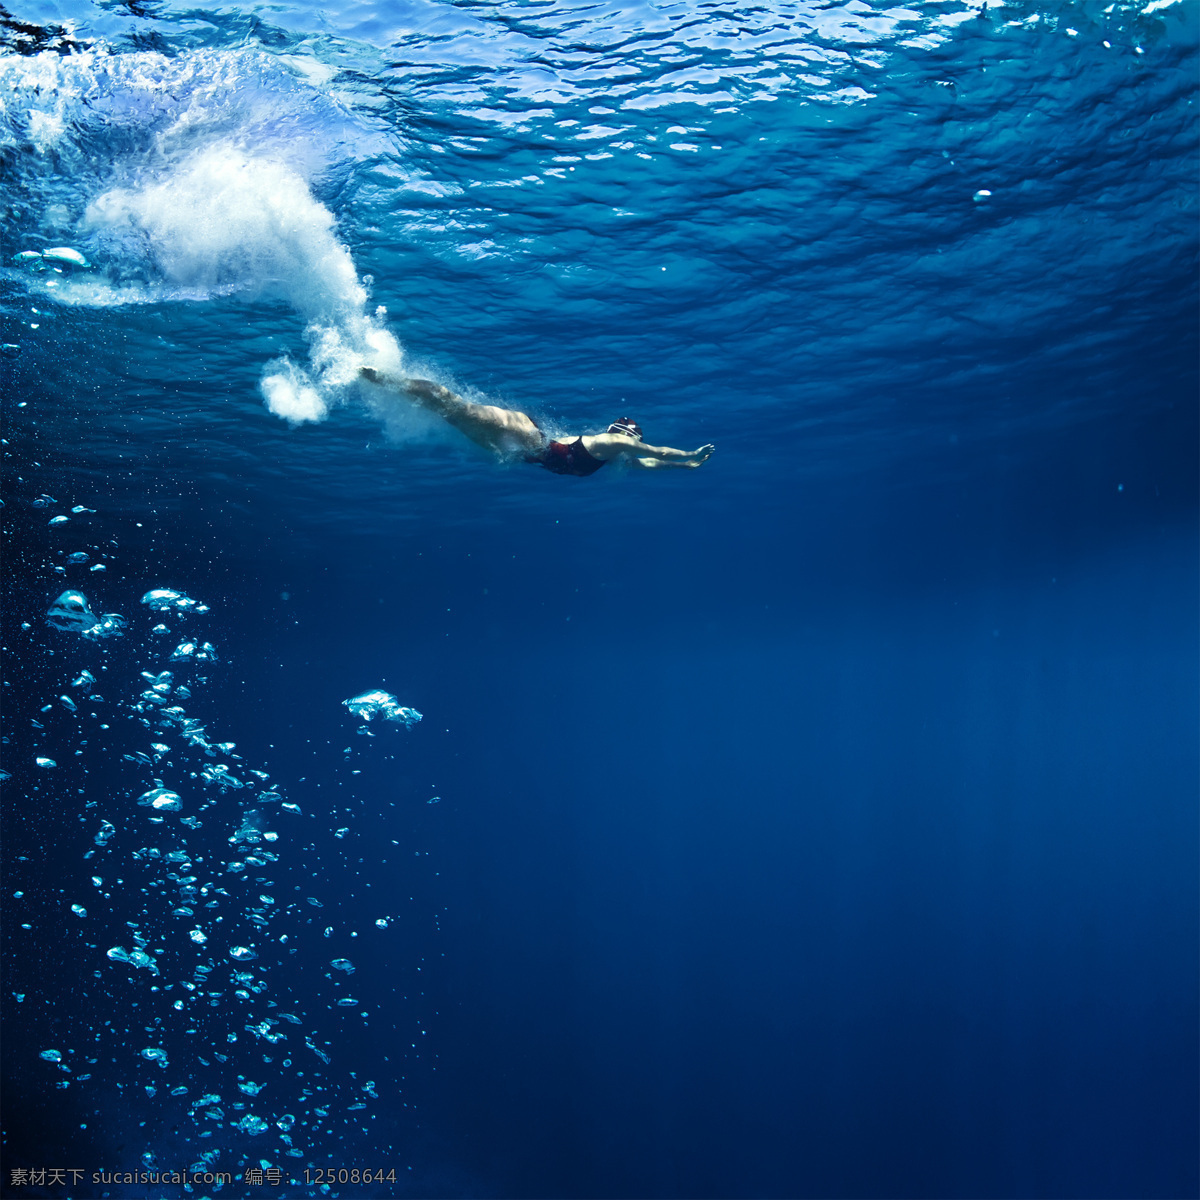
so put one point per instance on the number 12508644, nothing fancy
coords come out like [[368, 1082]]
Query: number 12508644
[[319, 1175]]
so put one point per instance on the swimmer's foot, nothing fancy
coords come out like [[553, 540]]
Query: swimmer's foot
[[396, 382]]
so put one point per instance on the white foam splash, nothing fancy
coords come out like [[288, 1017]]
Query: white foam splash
[[225, 221], [290, 394], [45, 129], [208, 194]]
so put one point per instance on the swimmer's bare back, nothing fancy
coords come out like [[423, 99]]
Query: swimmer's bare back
[[509, 432]]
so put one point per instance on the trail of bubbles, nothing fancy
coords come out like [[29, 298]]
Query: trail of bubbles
[[209, 928]]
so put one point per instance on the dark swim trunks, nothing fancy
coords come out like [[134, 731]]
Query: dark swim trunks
[[568, 458]]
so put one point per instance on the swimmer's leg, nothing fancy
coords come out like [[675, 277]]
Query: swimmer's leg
[[501, 430]]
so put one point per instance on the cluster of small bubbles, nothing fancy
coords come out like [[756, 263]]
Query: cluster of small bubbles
[[202, 888], [195, 652], [219, 774], [137, 957], [252, 1125], [109, 625]]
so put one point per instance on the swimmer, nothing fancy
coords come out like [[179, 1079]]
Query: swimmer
[[509, 433]]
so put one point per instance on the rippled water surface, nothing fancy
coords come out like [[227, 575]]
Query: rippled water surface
[[819, 822]]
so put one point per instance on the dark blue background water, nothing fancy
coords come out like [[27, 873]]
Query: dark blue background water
[[818, 823]]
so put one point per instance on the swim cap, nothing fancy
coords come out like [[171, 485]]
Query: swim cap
[[626, 426]]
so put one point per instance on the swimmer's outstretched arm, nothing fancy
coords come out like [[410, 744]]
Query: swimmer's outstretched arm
[[616, 446]]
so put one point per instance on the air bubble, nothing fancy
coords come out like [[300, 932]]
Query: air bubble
[[191, 652], [369, 705], [161, 799], [166, 600], [135, 958], [218, 773]]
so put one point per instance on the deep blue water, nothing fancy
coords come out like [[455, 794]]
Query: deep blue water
[[822, 822]]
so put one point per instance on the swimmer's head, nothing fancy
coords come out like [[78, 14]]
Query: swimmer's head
[[627, 427]]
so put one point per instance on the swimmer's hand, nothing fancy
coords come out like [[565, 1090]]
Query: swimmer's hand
[[664, 456], [691, 459]]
